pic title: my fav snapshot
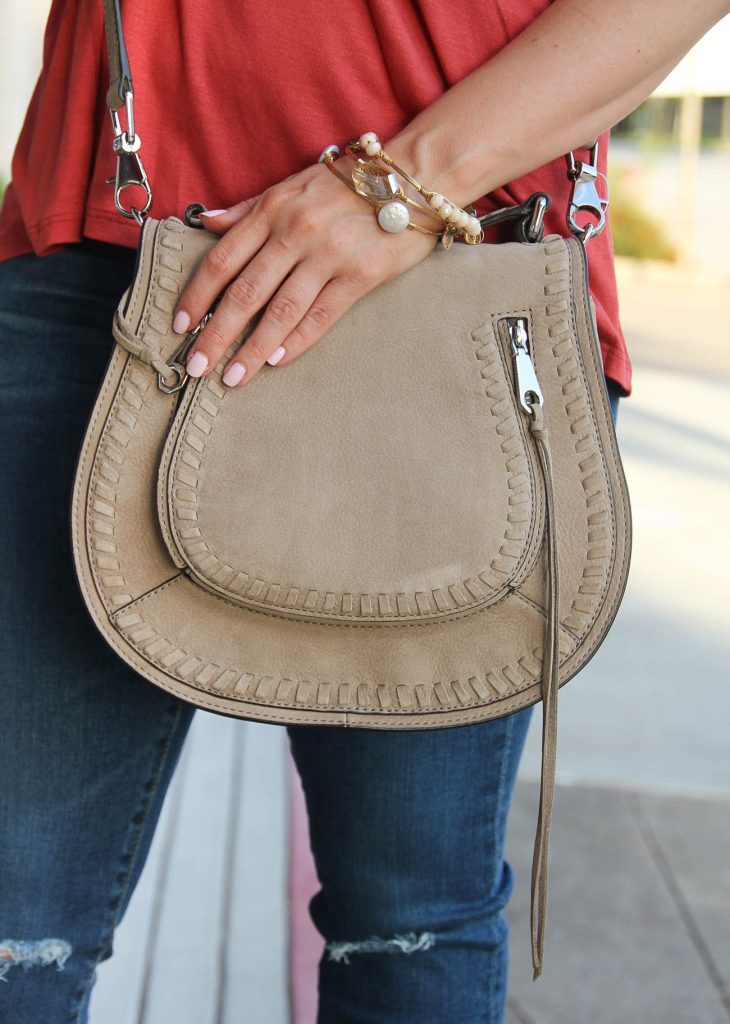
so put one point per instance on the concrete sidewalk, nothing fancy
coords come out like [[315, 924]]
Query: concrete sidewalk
[[638, 928]]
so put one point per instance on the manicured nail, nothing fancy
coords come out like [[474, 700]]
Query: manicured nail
[[181, 322], [233, 373], [212, 213], [277, 356], [196, 364]]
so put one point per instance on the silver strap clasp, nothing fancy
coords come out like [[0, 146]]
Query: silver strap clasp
[[130, 169], [584, 195]]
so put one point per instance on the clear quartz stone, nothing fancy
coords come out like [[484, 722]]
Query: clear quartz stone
[[374, 182]]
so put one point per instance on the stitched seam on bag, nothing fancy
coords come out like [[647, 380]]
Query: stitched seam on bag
[[86, 495], [333, 708], [94, 536], [587, 650], [372, 690], [152, 592], [570, 635], [138, 282], [163, 514], [611, 557], [162, 518], [212, 389], [328, 623], [146, 327]]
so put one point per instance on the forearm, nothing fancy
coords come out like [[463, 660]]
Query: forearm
[[574, 72]]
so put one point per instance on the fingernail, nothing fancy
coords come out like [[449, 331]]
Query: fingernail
[[233, 373], [181, 322], [212, 213], [277, 356], [196, 364]]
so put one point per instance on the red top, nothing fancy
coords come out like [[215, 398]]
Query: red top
[[232, 97]]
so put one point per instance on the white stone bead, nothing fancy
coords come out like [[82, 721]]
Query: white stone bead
[[372, 148], [367, 138], [394, 217], [463, 220], [436, 201], [473, 227], [455, 215], [445, 210]]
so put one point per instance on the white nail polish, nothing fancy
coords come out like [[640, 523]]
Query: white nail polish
[[181, 322], [233, 374], [197, 364], [276, 356]]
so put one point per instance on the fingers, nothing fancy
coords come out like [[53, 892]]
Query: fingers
[[244, 233], [303, 309], [243, 298], [297, 261], [219, 221]]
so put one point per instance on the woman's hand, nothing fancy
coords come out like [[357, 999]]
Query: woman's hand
[[307, 246]]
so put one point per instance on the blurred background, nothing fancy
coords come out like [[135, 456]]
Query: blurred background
[[639, 921]]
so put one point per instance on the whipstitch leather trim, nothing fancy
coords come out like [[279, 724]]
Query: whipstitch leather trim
[[102, 494], [587, 602], [475, 691]]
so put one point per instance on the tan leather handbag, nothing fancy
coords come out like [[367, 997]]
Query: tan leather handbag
[[422, 522]]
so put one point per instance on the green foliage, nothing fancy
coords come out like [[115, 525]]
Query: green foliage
[[635, 233]]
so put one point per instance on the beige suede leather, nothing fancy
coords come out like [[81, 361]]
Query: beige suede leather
[[362, 537]]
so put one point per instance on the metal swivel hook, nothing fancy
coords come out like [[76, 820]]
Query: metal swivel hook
[[584, 195]]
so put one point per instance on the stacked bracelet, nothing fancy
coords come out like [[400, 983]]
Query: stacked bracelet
[[379, 186]]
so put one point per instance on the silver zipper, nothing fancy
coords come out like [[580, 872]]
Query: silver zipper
[[526, 382]]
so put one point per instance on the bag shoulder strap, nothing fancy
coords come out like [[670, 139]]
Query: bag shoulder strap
[[120, 73]]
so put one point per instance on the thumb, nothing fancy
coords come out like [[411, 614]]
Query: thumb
[[219, 221]]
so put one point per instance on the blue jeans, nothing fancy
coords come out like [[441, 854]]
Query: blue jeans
[[407, 828]]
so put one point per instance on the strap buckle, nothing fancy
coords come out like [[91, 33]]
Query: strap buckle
[[584, 195], [130, 169]]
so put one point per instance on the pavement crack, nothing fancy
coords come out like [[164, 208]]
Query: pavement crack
[[669, 878]]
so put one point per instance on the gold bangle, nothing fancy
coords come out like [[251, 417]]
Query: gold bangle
[[457, 220], [397, 198]]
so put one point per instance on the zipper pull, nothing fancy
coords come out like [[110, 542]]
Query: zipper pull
[[526, 383]]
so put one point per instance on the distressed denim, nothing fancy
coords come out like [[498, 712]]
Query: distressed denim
[[407, 828]]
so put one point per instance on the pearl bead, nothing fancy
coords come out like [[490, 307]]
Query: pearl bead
[[394, 217], [473, 227], [445, 210], [455, 215], [372, 148], [367, 138], [463, 220], [436, 201]]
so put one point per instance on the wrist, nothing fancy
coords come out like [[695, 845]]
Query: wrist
[[433, 160], [453, 219]]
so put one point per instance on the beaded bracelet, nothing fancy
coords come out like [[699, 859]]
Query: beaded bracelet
[[381, 189]]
